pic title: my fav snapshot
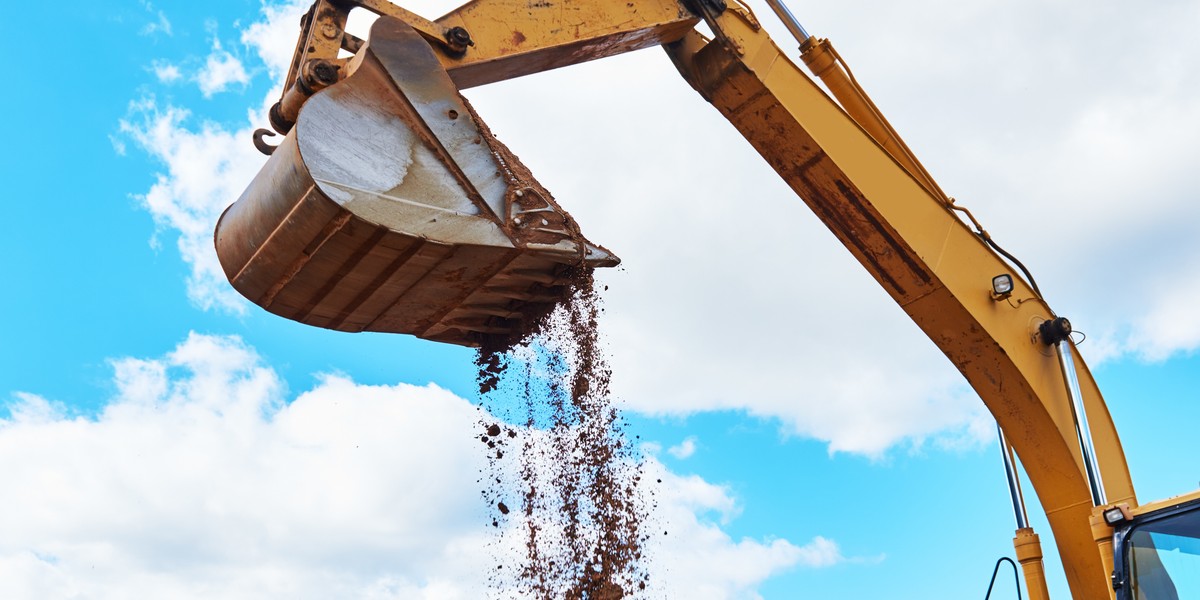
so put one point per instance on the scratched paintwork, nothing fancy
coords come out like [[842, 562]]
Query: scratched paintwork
[[390, 207]]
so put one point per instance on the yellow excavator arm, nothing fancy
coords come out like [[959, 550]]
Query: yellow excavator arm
[[390, 207]]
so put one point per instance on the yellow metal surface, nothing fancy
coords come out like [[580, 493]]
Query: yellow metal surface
[[1028, 548], [1150, 507], [931, 264], [428, 29], [883, 207], [505, 38], [320, 36], [821, 58], [1102, 533], [519, 37]]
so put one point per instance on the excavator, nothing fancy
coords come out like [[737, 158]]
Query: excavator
[[390, 206]]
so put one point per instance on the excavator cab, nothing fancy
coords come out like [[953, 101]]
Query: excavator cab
[[389, 206], [1157, 550]]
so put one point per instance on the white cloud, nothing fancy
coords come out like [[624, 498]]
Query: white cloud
[[684, 449], [273, 37], [201, 478], [221, 70], [118, 145], [1025, 125], [686, 549], [209, 165], [1171, 323], [752, 381], [734, 297], [166, 72], [206, 170], [160, 24]]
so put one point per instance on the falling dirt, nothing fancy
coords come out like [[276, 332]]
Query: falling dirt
[[566, 507]]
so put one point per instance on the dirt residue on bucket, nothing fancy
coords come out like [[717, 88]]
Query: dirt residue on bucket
[[563, 480]]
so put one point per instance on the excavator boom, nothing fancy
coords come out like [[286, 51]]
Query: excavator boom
[[390, 206]]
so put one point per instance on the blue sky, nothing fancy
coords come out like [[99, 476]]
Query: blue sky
[[162, 435]]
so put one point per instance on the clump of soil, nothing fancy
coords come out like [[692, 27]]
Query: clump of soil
[[564, 501]]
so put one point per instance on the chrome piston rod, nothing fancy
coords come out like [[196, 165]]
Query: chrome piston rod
[[1014, 484], [1082, 430], [789, 20], [1057, 333]]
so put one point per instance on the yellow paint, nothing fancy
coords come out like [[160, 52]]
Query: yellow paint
[[1028, 548], [857, 175], [931, 264]]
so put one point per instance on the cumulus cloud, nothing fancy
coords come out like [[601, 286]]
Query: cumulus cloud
[[196, 480], [1171, 323], [684, 449], [166, 72], [711, 282], [202, 477], [1022, 122], [732, 296], [221, 70], [207, 166], [690, 545], [273, 36]]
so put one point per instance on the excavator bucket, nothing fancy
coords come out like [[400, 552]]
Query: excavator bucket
[[391, 207]]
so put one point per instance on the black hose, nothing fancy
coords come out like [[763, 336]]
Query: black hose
[[995, 571], [1013, 259]]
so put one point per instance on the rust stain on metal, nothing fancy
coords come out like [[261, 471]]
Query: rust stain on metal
[[465, 291], [449, 237], [333, 227], [329, 230], [900, 250], [377, 283], [346, 268], [838, 222]]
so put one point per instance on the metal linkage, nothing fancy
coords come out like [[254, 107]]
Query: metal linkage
[[1057, 333], [789, 20], [1014, 484]]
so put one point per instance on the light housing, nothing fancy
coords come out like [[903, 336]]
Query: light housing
[[1116, 515], [1002, 286]]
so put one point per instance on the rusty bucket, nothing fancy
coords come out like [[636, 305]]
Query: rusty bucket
[[391, 207]]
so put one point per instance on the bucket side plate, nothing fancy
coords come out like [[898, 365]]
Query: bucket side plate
[[390, 207]]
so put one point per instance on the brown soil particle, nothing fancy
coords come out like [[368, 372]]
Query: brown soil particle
[[572, 469]]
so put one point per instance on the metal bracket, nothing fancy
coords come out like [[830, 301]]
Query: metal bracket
[[706, 8], [316, 65]]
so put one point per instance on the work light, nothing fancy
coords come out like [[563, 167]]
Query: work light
[[1002, 286]]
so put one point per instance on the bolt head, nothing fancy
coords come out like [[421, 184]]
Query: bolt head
[[459, 37]]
